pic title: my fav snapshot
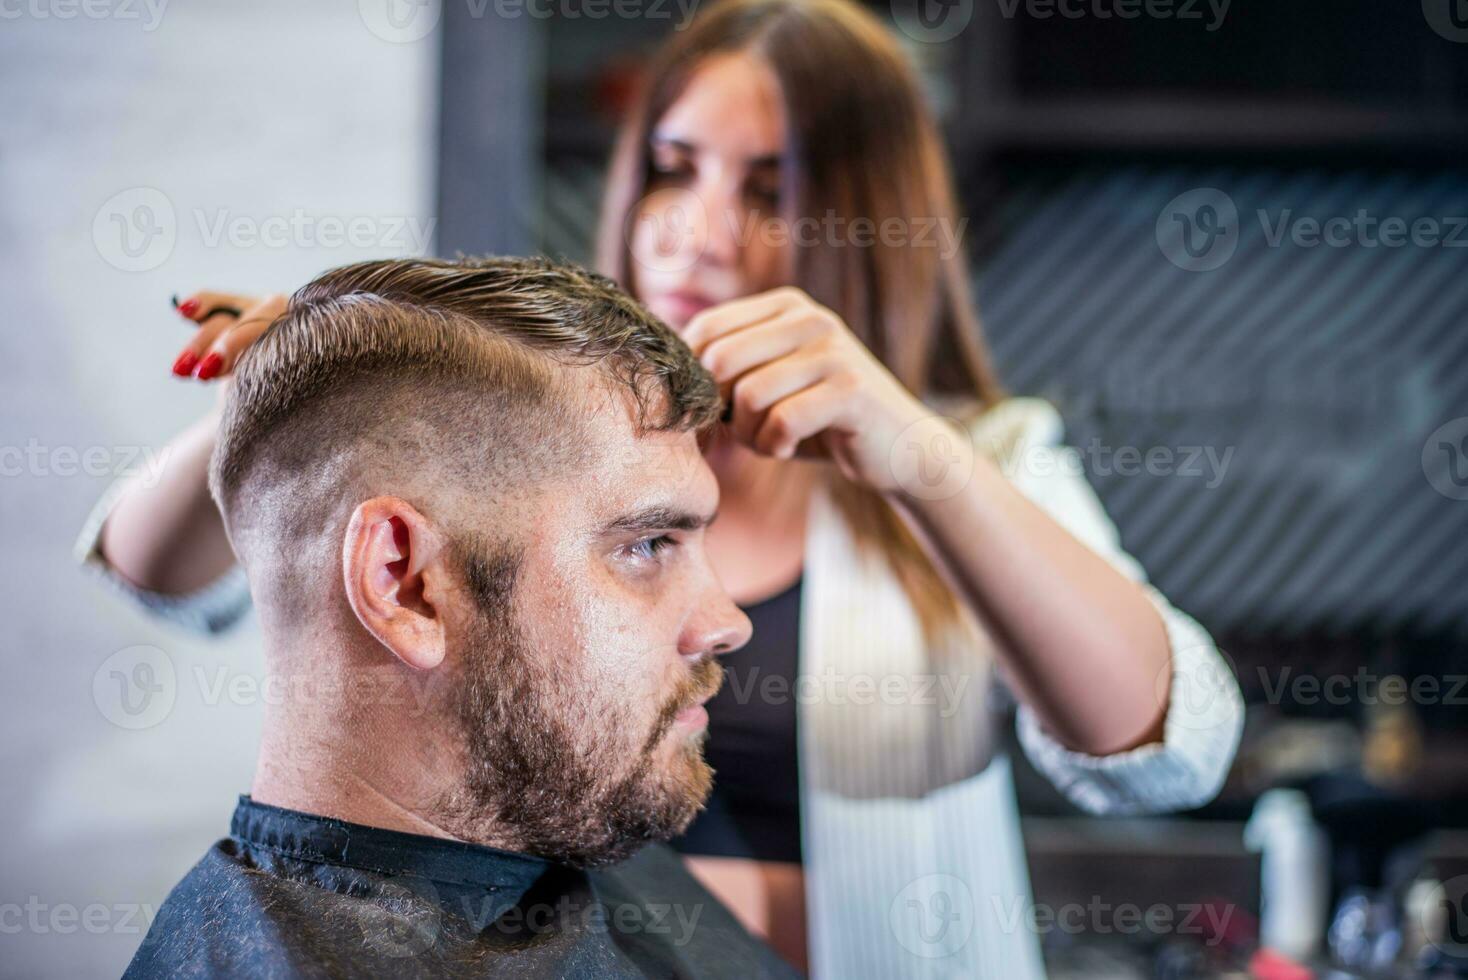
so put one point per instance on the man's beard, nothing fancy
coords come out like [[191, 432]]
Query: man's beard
[[547, 763]]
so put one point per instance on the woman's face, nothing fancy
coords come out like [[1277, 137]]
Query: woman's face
[[705, 232]]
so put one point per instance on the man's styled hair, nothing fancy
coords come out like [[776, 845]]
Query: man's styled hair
[[440, 379]]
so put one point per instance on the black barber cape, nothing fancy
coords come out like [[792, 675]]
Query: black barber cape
[[289, 894]]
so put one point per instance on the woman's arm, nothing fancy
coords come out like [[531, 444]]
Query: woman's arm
[[1080, 642], [164, 534], [1205, 711]]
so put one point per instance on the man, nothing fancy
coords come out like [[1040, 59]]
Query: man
[[470, 500]]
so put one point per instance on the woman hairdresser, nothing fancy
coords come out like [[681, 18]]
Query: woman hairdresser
[[898, 574]]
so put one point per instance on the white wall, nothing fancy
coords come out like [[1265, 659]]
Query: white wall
[[268, 116]]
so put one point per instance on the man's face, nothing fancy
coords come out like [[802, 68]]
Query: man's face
[[593, 650]]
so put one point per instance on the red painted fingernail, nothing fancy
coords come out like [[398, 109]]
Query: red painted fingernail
[[209, 366], [189, 307], [184, 366]]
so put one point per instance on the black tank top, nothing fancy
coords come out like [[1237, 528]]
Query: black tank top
[[754, 809]]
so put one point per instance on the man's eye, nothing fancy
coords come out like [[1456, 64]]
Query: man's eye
[[648, 549]]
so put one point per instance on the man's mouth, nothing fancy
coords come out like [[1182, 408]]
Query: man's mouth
[[695, 717]]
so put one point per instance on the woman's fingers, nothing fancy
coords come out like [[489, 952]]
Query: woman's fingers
[[716, 321], [223, 333], [734, 354], [230, 343], [760, 390], [203, 305], [797, 418], [212, 312], [780, 358]]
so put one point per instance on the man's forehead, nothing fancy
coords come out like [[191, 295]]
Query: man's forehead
[[613, 427], [658, 469], [637, 468]]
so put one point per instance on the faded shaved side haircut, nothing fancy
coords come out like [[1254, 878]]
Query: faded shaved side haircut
[[434, 379]]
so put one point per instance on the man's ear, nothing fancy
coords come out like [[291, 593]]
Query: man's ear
[[388, 554]]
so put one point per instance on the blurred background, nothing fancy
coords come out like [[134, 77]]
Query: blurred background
[[1228, 240]]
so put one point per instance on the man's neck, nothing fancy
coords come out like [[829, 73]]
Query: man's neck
[[327, 774], [349, 798]]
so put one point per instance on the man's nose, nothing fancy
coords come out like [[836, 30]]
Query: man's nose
[[720, 627]]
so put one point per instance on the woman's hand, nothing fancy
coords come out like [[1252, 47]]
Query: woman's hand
[[801, 382], [165, 533], [223, 333]]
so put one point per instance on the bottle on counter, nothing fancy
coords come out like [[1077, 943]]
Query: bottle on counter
[[1295, 873]]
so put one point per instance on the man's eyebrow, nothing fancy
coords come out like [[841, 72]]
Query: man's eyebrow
[[659, 519]]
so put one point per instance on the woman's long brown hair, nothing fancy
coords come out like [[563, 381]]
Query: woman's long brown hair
[[860, 143]]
